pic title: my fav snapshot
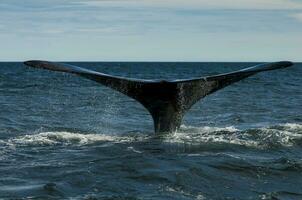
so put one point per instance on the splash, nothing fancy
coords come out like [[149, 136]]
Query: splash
[[66, 138], [285, 135], [288, 134], [294, 127], [209, 135]]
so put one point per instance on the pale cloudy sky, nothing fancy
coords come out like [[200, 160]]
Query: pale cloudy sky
[[151, 30]]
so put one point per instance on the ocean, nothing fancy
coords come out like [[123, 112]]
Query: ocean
[[65, 137]]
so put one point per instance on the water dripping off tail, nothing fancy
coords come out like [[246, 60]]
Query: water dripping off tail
[[166, 101]]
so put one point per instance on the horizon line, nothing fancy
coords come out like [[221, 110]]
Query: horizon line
[[150, 61]]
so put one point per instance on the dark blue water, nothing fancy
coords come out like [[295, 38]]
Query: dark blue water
[[64, 137]]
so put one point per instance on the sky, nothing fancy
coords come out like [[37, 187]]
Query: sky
[[151, 30]]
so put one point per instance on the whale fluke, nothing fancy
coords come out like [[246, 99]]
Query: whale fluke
[[166, 101]]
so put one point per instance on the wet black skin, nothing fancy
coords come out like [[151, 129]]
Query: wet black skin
[[166, 101]]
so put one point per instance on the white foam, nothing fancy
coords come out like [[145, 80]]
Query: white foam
[[293, 126], [134, 150], [53, 138], [210, 129], [283, 134], [229, 137]]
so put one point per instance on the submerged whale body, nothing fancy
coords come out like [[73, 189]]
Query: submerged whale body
[[166, 101]]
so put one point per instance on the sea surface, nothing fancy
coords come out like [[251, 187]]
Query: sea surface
[[65, 137]]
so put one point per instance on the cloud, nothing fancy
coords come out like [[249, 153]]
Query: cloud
[[204, 4], [151, 29], [297, 16], [132, 17]]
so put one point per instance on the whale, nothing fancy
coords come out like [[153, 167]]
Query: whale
[[167, 101]]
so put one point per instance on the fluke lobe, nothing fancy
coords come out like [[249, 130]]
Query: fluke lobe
[[166, 101]]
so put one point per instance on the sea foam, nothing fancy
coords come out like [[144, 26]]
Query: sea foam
[[287, 134]]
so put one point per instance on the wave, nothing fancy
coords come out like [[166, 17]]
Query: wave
[[267, 137], [66, 138], [288, 134]]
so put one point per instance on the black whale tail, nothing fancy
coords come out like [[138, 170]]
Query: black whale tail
[[166, 101]]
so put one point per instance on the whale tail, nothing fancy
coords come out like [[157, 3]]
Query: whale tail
[[166, 101]]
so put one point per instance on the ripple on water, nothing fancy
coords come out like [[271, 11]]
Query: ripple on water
[[283, 135], [83, 165]]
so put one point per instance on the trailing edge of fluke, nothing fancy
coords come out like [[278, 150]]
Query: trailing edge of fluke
[[166, 101]]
